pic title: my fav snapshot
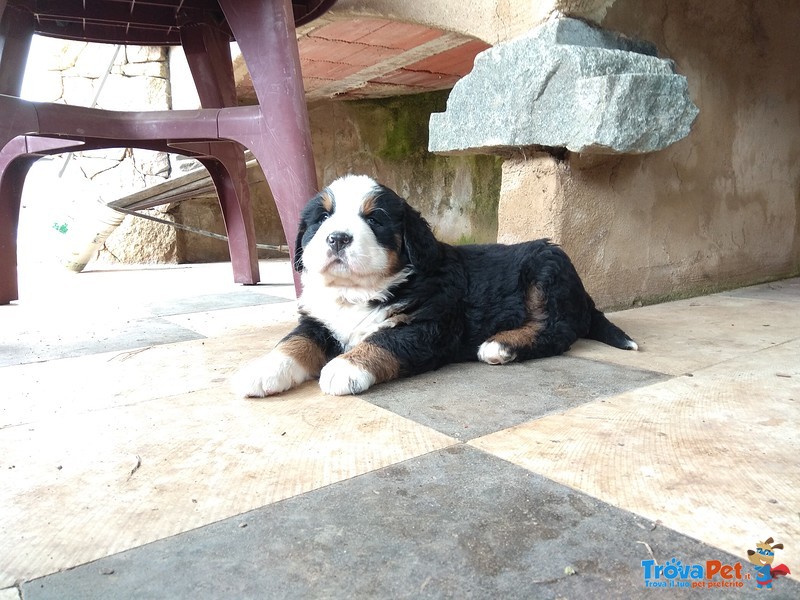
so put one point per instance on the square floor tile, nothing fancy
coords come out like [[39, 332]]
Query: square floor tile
[[469, 400], [713, 456], [455, 523], [76, 488], [681, 337]]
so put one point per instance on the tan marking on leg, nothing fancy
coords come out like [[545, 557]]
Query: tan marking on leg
[[308, 354], [516, 338], [525, 335], [378, 361], [535, 303]]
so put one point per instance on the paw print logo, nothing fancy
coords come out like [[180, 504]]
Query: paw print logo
[[672, 568]]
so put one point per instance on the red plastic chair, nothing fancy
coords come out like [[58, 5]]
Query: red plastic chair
[[276, 130]]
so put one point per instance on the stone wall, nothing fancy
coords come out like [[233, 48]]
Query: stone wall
[[109, 77], [386, 139]]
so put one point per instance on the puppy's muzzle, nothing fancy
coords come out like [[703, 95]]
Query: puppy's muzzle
[[338, 241]]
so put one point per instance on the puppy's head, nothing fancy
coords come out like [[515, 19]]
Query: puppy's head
[[359, 233]]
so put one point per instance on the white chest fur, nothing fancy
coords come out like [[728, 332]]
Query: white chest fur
[[345, 312]]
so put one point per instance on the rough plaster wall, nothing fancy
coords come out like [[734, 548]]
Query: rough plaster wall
[[489, 20], [387, 139], [719, 208]]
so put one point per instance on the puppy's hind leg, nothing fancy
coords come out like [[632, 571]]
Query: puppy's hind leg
[[505, 346]]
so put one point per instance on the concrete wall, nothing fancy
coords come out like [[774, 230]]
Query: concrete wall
[[388, 140], [489, 20], [204, 213], [716, 210]]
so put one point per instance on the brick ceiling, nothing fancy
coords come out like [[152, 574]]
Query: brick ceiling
[[370, 58]]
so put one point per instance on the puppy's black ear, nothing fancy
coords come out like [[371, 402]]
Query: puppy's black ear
[[298, 245], [305, 219], [419, 244]]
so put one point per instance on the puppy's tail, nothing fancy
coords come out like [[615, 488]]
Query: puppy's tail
[[603, 330]]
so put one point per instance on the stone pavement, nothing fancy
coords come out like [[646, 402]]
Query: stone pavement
[[128, 470]]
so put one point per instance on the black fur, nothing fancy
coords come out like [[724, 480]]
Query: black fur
[[457, 297]]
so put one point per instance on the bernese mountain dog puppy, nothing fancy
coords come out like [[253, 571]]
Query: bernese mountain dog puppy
[[383, 298]]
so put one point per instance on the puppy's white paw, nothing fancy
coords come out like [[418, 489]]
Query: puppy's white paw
[[495, 353], [268, 375], [340, 377]]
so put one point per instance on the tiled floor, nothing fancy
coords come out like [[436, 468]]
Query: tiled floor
[[128, 470]]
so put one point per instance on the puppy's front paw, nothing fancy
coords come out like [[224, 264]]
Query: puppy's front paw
[[341, 377], [495, 353], [268, 375]]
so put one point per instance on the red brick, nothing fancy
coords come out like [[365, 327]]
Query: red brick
[[329, 50], [351, 53], [349, 31], [403, 36], [456, 61], [367, 56], [327, 70]]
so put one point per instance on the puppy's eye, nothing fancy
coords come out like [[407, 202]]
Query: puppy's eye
[[323, 217], [372, 221]]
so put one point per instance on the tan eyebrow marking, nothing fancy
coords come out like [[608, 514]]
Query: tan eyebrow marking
[[327, 200]]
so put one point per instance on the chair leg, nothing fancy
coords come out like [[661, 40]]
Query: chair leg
[[208, 54], [13, 169], [16, 32], [229, 174], [281, 140]]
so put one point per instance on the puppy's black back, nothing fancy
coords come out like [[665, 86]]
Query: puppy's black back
[[501, 278]]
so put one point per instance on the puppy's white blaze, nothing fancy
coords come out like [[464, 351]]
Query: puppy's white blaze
[[495, 353], [340, 377], [350, 190], [268, 375]]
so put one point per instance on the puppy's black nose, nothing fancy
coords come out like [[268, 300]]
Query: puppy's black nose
[[339, 240]]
